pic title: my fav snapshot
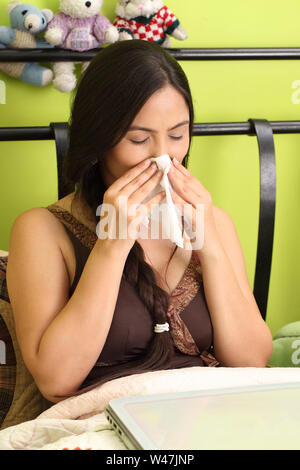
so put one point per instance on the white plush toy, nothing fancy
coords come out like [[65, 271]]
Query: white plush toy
[[149, 20], [79, 27]]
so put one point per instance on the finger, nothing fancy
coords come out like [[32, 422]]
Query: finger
[[180, 201], [130, 175], [176, 198], [144, 190], [179, 174], [181, 190], [178, 166], [137, 183], [187, 209], [185, 188]]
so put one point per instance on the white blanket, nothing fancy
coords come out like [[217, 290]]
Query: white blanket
[[80, 421]]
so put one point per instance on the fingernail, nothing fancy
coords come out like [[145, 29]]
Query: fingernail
[[175, 161]]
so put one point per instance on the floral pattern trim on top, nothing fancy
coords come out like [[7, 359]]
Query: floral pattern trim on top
[[181, 296]]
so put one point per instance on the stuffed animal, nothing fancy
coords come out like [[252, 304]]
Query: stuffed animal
[[27, 21], [78, 26], [149, 20]]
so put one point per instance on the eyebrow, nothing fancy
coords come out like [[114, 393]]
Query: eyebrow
[[138, 128]]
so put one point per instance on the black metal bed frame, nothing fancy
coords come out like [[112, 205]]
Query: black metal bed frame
[[58, 55], [261, 128]]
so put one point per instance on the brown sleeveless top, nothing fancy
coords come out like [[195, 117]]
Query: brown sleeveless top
[[132, 327]]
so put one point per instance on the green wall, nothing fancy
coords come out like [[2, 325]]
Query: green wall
[[228, 166]]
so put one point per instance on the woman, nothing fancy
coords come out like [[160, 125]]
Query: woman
[[86, 307]]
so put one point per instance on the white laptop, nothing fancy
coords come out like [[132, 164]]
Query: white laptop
[[255, 417]]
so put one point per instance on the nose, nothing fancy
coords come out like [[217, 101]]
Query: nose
[[159, 151], [160, 145], [88, 4], [140, 6]]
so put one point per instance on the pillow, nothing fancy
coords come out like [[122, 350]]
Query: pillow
[[286, 346], [20, 399]]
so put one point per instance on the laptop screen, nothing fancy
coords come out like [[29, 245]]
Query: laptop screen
[[240, 418]]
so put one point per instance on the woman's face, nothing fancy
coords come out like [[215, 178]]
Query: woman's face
[[161, 127]]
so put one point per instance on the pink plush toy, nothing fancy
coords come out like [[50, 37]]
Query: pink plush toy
[[78, 26], [149, 20]]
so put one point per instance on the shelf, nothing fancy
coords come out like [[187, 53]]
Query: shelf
[[59, 55]]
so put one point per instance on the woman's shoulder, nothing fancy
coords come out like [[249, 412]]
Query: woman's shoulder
[[224, 222], [36, 217], [43, 221], [35, 227], [42, 213], [38, 225], [219, 213], [38, 234]]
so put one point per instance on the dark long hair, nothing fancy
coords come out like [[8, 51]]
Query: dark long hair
[[117, 83]]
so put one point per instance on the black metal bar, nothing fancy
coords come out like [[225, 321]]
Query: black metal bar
[[227, 128], [235, 128], [63, 55], [267, 209], [236, 53], [61, 136], [26, 133]]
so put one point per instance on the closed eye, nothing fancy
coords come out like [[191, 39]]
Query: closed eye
[[138, 142]]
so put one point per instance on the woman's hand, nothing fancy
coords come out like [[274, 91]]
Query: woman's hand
[[189, 191], [124, 201]]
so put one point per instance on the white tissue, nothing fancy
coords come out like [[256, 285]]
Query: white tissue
[[171, 223]]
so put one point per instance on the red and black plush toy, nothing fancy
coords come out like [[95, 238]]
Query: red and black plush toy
[[149, 20]]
